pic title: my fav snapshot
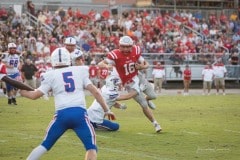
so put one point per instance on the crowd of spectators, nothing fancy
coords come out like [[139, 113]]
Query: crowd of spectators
[[209, 37]]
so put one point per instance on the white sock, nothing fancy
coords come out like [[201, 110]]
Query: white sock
[[37, 153], [154, 122]]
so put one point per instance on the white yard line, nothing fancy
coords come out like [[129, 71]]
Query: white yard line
[[147, 134], [199, 150], [228, 130], [192, 133]]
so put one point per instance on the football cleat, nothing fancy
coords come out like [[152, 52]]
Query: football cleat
[[157, 128], [9, 101], [14, 101]]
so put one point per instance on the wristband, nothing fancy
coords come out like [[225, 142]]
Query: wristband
[[108, 111]]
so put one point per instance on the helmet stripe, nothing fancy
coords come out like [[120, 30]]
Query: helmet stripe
[[60, 55]]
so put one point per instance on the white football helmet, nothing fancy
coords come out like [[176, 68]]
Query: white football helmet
[[70, 41], [12, 45], [113, 82], [125, 41], [76, 54], [60, 57]]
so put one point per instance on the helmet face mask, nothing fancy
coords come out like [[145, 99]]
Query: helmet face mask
[[60, 57]]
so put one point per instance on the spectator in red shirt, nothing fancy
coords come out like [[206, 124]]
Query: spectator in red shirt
[[187, 75], [3, 14]]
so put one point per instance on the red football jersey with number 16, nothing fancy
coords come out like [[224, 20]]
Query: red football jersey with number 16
[[125, 64]]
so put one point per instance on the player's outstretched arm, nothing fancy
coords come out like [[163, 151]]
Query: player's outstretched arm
[[104, 64], [17, 84], [119, 106], [31, 94], [127, 96]]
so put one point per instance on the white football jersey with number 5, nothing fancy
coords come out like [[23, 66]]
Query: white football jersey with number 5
[[66, 82]]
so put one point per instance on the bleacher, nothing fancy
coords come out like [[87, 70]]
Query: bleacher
[[170, 75]]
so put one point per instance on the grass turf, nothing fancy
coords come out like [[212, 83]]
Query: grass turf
[[194, 127]]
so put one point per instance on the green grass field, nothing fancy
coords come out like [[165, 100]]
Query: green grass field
[[194, 127]]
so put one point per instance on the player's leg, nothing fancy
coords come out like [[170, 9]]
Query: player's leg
[[14, 101], [150, 95], [14, 90], [9, 90], [37, 153], [85, 131], [53, 133], [91, 154], [108, 125], [147, 112], [140, 99]]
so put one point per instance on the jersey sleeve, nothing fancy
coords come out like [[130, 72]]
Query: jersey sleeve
[[138, 52], [85, 75], [111, 57], [46, 80]]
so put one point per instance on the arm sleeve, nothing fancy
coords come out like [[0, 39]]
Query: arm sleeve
[[86, 80], [45, 81], [16, 84]]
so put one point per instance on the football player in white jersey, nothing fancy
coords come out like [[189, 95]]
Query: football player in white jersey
[[70, 44], [12, 61], [67, 84], [5, 78], [110, 92]]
